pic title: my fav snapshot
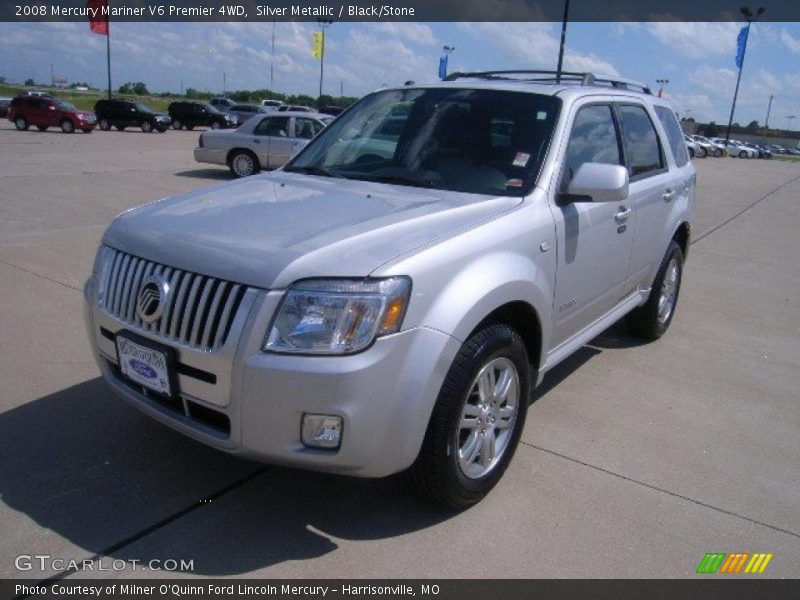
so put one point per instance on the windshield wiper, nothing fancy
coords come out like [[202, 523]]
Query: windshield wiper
[[399, 179], [312, 170]]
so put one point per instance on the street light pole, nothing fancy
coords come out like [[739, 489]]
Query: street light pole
[[789, 121], [563, 41], [661, 83], [749, 17]]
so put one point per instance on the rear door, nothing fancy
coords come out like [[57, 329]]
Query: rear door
[[653, 188], [594, 239], [279, 142]]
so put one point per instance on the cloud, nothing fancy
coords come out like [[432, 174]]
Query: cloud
[[696, 40], [790, 41]]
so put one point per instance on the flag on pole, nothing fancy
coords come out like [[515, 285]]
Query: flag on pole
[[316, 49], [443, 66], [98, 22], [741, 45]]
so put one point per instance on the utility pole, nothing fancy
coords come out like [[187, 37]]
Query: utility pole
[[749, 17], [563, 41], [323, 25], [272, 60], [769, 107]]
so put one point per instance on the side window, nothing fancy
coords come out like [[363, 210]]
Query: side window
[[641, 141], [674, 135], [273, 126], [593, 139], [306, 128]]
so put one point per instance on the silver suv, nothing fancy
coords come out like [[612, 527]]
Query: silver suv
[[390, 298]]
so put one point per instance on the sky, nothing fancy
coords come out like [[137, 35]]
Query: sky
[[696, 58]]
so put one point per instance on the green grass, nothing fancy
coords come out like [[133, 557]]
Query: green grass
[[787, 157], [86, 100]]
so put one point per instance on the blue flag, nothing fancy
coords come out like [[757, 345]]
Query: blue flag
[[443, 66], [741, 44]]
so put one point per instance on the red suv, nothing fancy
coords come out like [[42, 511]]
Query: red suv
[[44, 112]]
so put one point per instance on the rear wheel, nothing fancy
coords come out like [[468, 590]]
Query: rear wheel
[[189, 127], [104, 124], [652, 320], [244, 163], [477, 420], [177, 124], [742, 154], [120, 127], [215, 125], [41, 127], [67, 126], [147, 127], [717, 152], [21, 123]]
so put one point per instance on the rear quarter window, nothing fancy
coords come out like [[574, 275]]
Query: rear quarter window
[[674, 135]]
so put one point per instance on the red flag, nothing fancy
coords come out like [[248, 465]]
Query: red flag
[[98, 22]]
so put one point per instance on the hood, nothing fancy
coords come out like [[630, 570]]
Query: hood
[[270, 230]]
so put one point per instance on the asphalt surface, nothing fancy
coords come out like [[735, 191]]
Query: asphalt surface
[[636, 460]]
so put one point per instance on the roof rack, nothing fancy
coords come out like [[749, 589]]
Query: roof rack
[[554, 77]]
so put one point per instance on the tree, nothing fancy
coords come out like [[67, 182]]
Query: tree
[[125, 89], [753, 125], [712, 129], [140, 89], [30, 81], [2, 80]]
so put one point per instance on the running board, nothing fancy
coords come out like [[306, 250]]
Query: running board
[[556, 355]]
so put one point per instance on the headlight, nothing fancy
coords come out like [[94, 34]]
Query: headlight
[[337, 316]]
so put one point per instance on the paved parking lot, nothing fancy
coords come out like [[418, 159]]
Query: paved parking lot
[[636, 459]]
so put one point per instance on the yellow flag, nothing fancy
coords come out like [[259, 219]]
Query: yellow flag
[[316, 49]]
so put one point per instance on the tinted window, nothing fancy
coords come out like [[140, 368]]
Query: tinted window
[[593, 139], [674, 135], [641, 141], [273, 126], [306, 128]]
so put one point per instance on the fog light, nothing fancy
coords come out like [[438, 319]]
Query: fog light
[[322, 431]]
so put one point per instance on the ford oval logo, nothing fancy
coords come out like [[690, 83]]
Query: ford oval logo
[[142, 369]]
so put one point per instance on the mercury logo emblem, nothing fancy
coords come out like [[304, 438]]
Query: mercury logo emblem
[[152, 298]]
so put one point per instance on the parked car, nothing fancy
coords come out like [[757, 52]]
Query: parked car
[[126, 113], [46, 111], [4, 104], [221, 104], [761, 151], [364, 316], [693, 147], [793, 151], [246, 111], [35, 93], [331, 110], [776, 149], [711, 148], [197, 114], [260, 143], [271, 105], [735, 148], [295, 108]]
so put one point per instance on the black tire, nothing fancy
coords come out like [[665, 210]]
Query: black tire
[[104, 124], [21, 123], [437, 472], [691, 152], [176, 124], [67, 126], [215, 125], [161, 129], [243, 163], [189, 127], [89, 130], [742, 154], [646, 321], [147, 127], [41, 127], [717, 152], [120, 127]]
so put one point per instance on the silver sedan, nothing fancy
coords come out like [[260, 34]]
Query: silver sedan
[[260, 143]]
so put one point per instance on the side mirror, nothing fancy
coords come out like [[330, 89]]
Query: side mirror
[[598, 182]]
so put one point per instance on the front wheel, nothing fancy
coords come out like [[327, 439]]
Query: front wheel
[[477, 420], [742, 154], [652, 320], [215, 125], [67, 126], [244, 163], [717, 152], [176, 124], [147, 126], [104, 125]]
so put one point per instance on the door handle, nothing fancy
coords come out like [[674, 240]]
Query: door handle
[[623, 214], [256, 141], [669, 195]]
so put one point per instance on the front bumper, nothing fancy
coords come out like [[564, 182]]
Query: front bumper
[[384, 395]]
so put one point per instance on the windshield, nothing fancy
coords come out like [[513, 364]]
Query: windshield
[[475, 141], [63, 105], [212, 108], [143, 108]]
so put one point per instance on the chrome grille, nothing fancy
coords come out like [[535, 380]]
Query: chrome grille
[[200, 309]]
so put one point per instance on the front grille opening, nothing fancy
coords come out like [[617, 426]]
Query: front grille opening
[[209, 417]]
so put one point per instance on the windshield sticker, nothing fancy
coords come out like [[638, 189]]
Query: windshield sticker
[[514, 183], [521, 159]]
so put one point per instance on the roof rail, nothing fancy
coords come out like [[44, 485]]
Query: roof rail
[[536, 76]]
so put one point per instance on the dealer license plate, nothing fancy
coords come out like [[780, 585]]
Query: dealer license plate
[[146, 366]]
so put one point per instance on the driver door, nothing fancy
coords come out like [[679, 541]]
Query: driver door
[[594, 239]]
